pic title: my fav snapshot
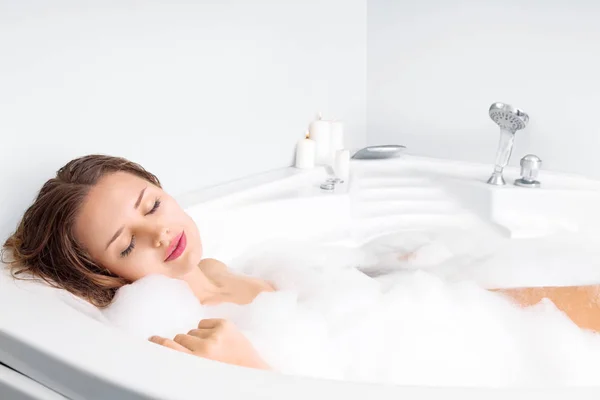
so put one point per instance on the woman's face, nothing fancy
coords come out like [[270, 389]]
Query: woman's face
[[134, 229]]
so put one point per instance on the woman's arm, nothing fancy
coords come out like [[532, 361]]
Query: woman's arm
[[580, 303]]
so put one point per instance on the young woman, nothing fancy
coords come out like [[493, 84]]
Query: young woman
[[104, 222]]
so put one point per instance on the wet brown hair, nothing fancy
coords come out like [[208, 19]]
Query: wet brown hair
[[44, 246]]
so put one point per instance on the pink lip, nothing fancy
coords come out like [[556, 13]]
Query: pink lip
[[177, 247]]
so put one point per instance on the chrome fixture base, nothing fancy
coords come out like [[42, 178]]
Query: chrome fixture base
[[529, 184], [328, 186], [330, 183], [496, 179]]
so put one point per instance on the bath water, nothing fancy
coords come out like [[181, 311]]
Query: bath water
[[407, 308]]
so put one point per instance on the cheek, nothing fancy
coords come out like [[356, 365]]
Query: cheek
[[117, 269], [196, 238], [186, 222], [136, 266]]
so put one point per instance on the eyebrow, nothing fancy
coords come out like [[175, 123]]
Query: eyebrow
[[120, 230]]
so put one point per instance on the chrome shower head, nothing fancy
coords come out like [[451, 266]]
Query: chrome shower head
[[510, 120], [508, 117]]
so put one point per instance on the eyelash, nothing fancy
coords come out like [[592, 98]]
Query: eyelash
[[128, 250], [131, 246], [155, 207]]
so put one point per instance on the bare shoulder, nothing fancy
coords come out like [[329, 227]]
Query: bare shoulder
[[219, 272], [212, 266]]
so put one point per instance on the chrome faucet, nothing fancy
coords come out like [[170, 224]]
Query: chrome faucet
[[510, 120]]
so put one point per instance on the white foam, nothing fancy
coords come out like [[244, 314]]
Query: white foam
[[155, 305], [426, 321]]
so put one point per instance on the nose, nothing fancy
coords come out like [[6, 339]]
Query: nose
[[161, 236], [153, 232]]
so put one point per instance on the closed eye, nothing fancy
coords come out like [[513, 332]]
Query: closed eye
[[155, 207], [129, 248]]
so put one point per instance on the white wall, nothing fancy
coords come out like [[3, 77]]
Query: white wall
[[205, 92], [435, 67], [198, 92]]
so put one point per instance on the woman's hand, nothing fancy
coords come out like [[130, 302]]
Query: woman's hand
[[218, 340]]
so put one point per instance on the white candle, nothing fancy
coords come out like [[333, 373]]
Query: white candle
[[320, 132], [337, 138], [341, 164], [305, 153]]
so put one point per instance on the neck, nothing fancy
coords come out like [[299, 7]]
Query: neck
[[203, 288]]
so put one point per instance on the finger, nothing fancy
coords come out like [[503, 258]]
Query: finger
[[169, 343], [210, 323], [202, 333], [192, 343]]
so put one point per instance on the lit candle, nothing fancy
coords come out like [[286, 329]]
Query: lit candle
[[320, 132], [306, 153]]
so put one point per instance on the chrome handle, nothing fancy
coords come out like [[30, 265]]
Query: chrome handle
[[530, 167]]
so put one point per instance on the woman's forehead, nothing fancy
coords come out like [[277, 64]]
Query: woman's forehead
[[119, 181], [110, 200]]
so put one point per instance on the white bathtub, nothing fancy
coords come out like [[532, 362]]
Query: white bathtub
[[54, 339]]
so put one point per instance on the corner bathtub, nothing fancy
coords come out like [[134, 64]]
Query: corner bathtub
[[58, 342]]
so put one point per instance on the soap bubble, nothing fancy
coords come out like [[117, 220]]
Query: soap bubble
[[155, 305], [369, 313]]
